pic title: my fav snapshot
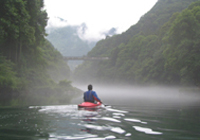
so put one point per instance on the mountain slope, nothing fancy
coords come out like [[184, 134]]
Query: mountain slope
[[140, 55], [67, 41], [32, 72]]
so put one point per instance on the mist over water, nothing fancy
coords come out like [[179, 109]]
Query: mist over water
[[158, 96], [135, 112], [150, 112]]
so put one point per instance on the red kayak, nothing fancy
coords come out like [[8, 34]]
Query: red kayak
[[89, 104]]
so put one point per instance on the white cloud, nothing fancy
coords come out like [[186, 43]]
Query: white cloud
[[56, 22], [99, 15]]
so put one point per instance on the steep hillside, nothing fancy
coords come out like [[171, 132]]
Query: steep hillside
[[32, 72], [67, 41], [147, 53], [149, 24], [71, 41]]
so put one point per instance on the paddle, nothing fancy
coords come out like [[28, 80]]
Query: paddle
[[105, 105]]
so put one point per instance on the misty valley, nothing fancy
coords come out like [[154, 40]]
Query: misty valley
[[147, 78]]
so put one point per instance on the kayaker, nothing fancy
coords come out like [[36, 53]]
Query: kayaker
[[91, 96]]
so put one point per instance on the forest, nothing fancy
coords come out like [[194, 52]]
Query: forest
[[161, 49], [32, 71]]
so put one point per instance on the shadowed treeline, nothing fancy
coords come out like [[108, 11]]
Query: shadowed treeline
[[32, 72]]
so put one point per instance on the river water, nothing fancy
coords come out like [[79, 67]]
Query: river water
[[131, 114]]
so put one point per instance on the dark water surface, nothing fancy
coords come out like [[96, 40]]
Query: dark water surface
[[138, 117]]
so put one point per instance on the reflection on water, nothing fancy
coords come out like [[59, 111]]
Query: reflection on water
[[67, 122], [134, 114]]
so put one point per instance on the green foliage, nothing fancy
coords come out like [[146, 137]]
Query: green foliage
[[182, 47], [56, 66], [7, 74], [162, 48], [65, 83], [28, 62], [9, 82]]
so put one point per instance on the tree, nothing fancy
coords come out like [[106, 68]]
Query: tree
[[181, 52]]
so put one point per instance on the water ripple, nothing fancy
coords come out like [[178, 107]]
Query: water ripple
[[110, 119], [134, 120], [68, 122], [146, 130]]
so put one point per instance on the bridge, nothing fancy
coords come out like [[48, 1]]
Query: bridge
[[84, 58]]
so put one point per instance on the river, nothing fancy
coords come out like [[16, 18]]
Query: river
[[136, 113]]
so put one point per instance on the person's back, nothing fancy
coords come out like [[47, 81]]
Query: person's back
[[90, 95]]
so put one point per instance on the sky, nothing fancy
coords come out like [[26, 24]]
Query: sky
[[98, 15]]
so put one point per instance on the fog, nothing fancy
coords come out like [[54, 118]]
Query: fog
[[142, 96]]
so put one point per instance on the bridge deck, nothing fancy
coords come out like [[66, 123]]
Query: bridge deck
[[85, 58]]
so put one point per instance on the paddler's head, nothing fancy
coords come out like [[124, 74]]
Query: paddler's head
[[89, 87]]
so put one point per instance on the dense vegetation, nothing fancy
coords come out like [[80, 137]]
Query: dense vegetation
[[162, 48], [32, 72]]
